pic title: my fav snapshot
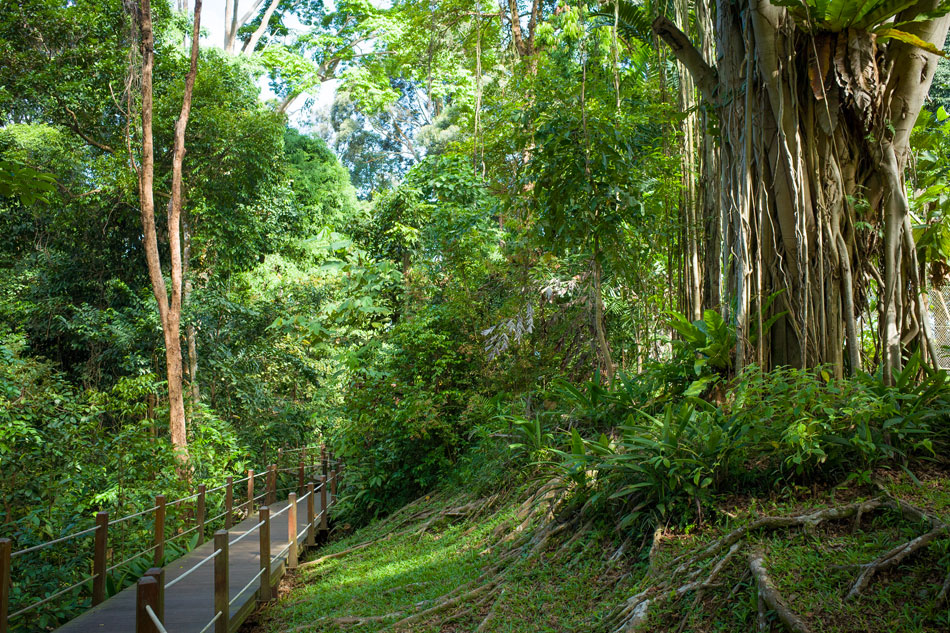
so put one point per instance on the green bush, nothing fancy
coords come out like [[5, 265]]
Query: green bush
[[770, 429]]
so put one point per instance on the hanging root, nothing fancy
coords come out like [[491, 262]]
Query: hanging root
[[769, 596]]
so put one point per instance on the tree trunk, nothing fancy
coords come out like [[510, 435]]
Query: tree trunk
[[169, 308], [191, 335], [811, 122], [251, 44], [600, 332]]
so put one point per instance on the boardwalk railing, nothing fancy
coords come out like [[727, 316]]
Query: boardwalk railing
[[151, 586]]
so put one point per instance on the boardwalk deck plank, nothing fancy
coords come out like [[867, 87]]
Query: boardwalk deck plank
[[189, 605]]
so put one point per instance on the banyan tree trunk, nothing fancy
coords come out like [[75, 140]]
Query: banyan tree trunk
[[815, 130]]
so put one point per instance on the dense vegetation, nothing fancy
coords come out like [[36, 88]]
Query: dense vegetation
[[665, 259]]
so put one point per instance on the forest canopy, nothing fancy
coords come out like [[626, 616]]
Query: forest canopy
[[664, 253]]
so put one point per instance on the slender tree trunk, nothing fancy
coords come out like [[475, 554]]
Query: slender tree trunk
[[191, 335], [250, 46], [229, 16], [600, 332], [169, 308]]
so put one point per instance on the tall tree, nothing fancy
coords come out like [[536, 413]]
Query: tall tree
[[816, 102], [169, 306]]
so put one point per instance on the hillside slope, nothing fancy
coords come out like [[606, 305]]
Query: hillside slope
[[523, 561]]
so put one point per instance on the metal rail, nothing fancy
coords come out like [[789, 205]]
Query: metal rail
[[132, 516], [211, 623], [48, 598], [246, 587], [158, 623], [54, 541], [132, 558], [211, 556], [250, 531]]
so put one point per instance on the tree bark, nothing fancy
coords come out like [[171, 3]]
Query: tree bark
[[191, 335], [812, 121], [600, 332]]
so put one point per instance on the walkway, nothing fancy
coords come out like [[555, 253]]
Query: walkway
[[189, 604]]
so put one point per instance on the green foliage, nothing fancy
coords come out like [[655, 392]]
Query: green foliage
[[784, 426]]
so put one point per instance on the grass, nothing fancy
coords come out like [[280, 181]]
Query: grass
[[567, 587], [412, 571]]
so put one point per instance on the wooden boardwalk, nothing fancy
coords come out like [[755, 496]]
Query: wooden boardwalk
[[189, 604]]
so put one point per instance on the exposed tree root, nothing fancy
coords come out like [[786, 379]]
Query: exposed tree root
[[348, 620], [340, 554], [685, 571], [770, 596], [445, 604], [943, 594], [491, 612], [892, 558]]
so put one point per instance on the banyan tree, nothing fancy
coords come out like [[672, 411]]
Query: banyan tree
[[815, 101]]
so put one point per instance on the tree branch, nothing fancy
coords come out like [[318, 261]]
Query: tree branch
[[705, 76], [75, 128]]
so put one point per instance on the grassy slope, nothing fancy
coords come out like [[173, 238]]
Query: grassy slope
[[570, 585]]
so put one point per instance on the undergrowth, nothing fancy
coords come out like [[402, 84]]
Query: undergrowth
[[526, 561]]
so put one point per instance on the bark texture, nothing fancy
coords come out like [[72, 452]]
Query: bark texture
[[815, 128]]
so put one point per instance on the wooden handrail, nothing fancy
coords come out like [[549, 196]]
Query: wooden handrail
[[101, 550]]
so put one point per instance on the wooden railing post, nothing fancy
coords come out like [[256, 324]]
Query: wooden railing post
[[271, 497], [250, 493], [292, 530], [99, 558], [146, 594], [323, 503], [311, 515], [6, 548], [333, 485], [200, 513], [229, 503], [265, 554], [323, 460], [158, 540], [158, 573], [301, 478], [221, 582]]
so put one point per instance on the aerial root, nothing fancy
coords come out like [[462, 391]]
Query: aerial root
[[769, 595]]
